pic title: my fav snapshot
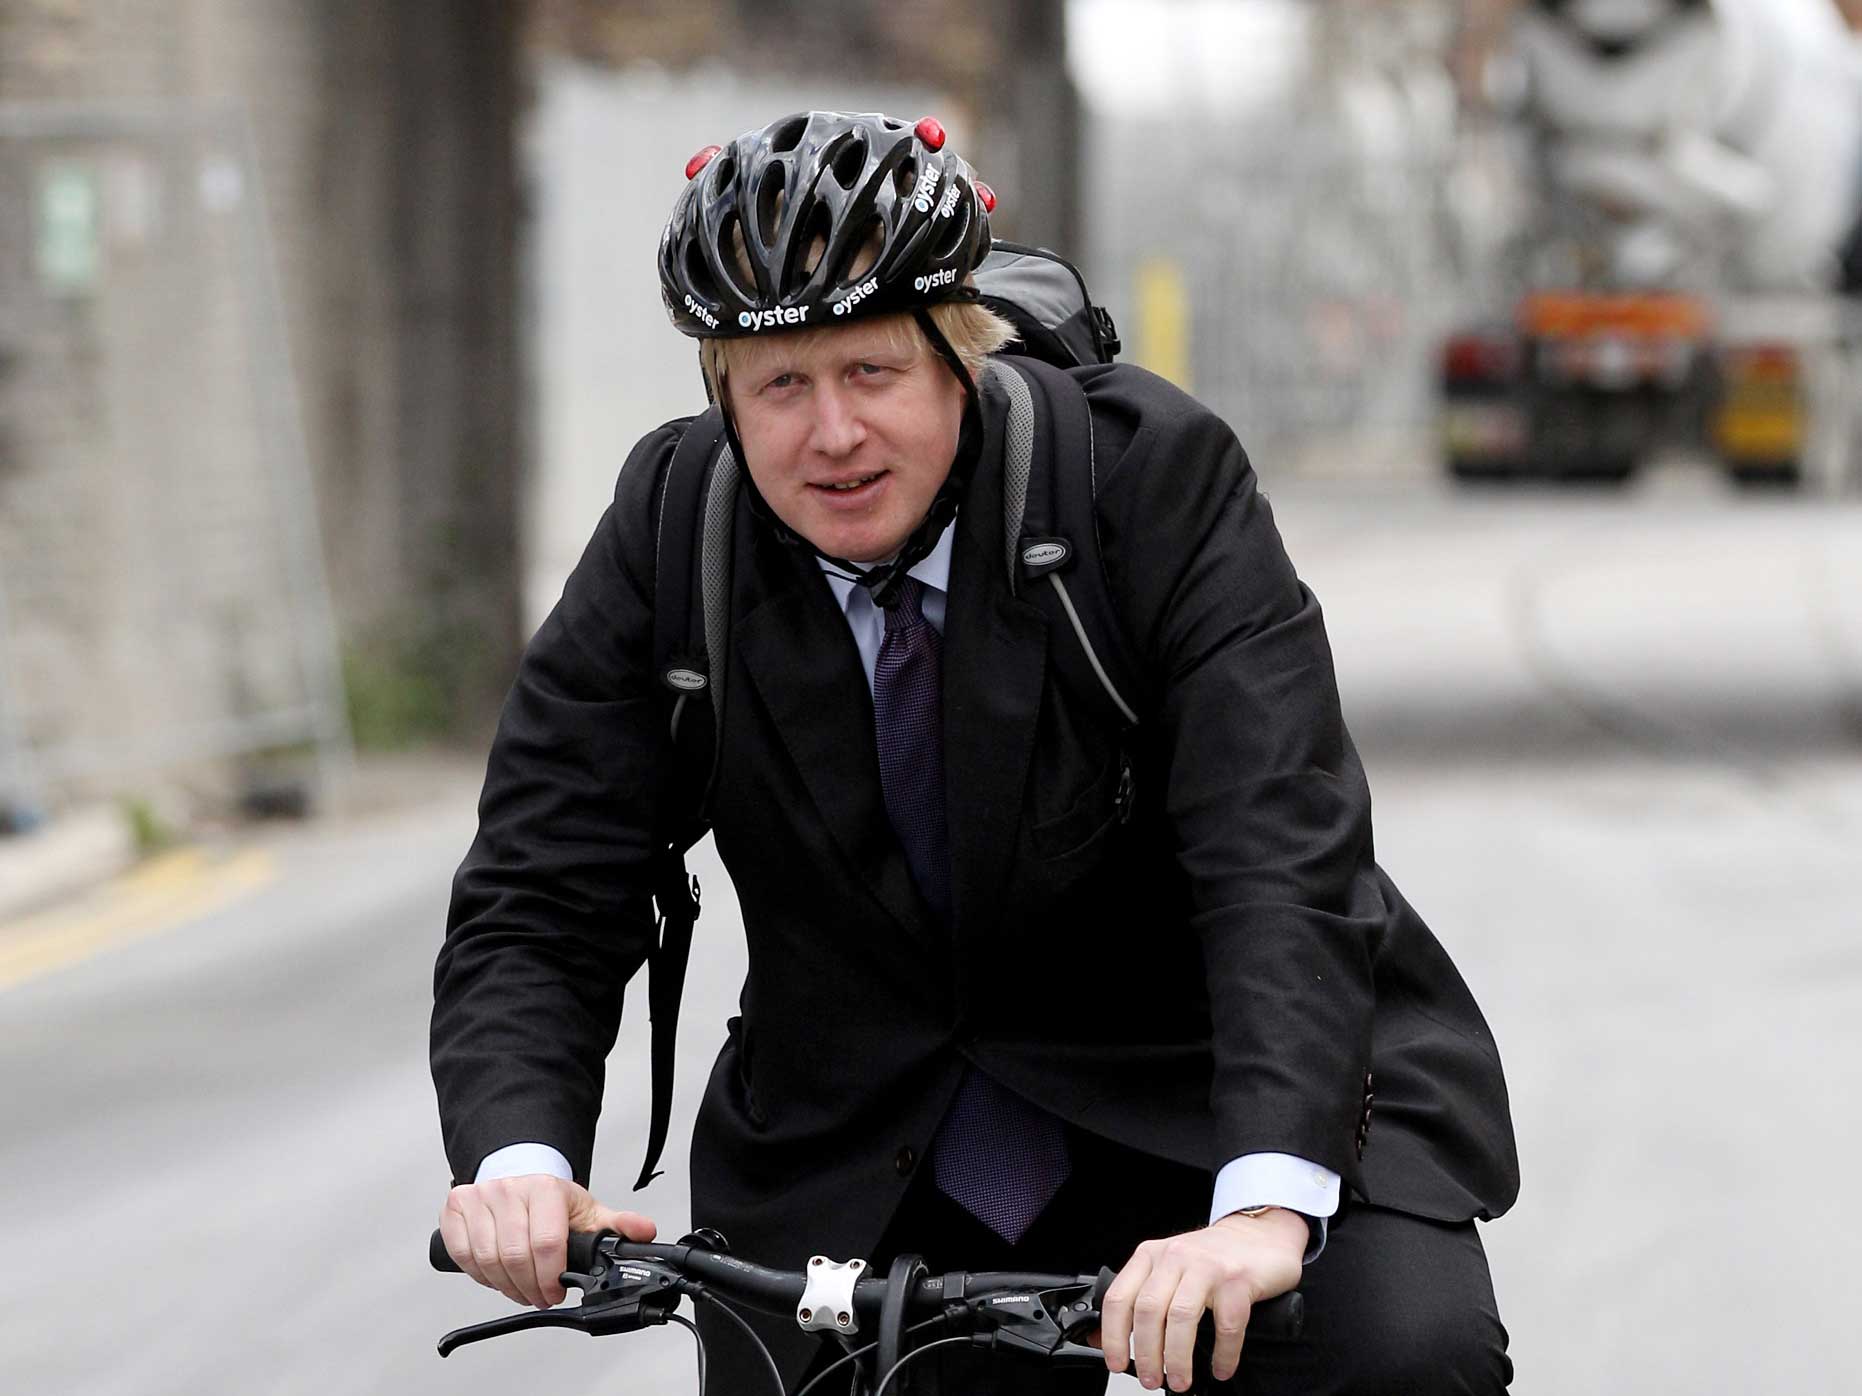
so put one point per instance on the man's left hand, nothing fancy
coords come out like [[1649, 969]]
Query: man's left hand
[[1157, 1300]]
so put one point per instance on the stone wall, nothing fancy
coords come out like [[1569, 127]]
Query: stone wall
[[147, 458]]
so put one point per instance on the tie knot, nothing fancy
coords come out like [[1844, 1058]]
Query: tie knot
[[908, 609]]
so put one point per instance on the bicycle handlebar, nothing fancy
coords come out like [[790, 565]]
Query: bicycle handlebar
[[630, 1284]]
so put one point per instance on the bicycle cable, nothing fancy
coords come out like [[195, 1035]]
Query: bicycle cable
[[699, 1291], [913, 1355], [698, 1338], [860, 1352]]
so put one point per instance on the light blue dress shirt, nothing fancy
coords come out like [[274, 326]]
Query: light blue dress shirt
[[1253, 1180]]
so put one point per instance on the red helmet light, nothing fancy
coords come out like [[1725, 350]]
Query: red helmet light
[[931, 131], [700, 160], [987, 195]]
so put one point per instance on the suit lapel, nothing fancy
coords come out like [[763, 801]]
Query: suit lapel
[[806, 669], [995, 667]]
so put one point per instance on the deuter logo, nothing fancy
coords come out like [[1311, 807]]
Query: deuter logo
[[856, 295], [927, 186], [758, 320], [698, 309], [948, 204], [1044, 554], [688, 680], [935, 280]]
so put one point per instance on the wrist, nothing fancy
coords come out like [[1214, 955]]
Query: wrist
[[1271, 1223]]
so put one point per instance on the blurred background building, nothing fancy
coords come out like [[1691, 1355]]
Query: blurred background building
[[323, 327]]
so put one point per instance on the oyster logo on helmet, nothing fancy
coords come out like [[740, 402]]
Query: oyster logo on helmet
[[948, 204], [927, 186], [856, 295], [757, 320], [697, 308], [933, 280]]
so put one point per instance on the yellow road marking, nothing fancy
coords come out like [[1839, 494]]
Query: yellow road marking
[[163, 893]]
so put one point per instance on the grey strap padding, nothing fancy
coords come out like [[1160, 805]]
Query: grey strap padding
[[1017, 456], [714, 565], [1017, 460]]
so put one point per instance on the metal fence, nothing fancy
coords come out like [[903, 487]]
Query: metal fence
[[162, 601], [1317, 278]]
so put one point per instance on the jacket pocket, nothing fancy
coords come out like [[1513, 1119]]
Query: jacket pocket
[[1102, 804]]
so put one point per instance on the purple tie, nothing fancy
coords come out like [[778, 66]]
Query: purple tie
[[996, 1155]]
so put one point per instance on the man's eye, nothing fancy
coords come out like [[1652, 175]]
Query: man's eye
[[781, 380], [870, 369]]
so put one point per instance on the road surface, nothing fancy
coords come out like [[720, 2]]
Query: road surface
[[1616, 748]]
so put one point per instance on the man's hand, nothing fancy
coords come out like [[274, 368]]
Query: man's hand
[[512, 1234], [1158, 1298]]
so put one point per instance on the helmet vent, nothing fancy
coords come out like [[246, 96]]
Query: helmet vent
[[723, 171], [849, 159], [865, 250], [769, 200], [956, 227], [905, 176], [697, 275], [813, 243], [787, 134], [734, 258]]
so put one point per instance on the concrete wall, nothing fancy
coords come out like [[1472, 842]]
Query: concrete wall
[[606, 154], [141, 439]]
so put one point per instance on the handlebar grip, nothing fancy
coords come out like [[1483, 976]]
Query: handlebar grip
[[437, 1255], [1281, 1317], [582, 1246], [582, 1249]]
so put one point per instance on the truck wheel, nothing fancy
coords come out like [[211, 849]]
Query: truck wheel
[[1606, 470], [1483, 472], [1784, 475]]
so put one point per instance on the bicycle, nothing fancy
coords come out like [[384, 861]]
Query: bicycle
[[631, 1285]]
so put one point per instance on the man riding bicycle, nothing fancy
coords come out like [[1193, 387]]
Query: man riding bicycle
[[1027, 988]]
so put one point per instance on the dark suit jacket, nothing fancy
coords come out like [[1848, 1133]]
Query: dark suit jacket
[[1217, 976]]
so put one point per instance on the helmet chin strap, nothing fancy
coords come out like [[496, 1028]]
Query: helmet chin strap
[[882, 579]]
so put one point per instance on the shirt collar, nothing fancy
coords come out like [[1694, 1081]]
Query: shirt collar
[[933, 569]]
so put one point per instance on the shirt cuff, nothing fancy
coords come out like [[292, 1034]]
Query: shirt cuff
[[515, 1160], [1279, 1180]]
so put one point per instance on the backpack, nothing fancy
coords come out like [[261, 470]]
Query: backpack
[[1050, 540]]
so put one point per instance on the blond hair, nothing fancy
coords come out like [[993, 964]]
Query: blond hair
[[972, 330]]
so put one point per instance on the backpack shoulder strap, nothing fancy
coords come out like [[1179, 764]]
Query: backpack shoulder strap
[[678, 640], [692, 550], [1051, 533]]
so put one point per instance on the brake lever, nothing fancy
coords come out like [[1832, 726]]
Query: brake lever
[[1041, 1323], [622, 1296], [515, 1323]]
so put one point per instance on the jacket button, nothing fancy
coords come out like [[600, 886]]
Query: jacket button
[[905, 1160]]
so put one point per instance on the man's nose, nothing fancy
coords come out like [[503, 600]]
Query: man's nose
[[838, 427]]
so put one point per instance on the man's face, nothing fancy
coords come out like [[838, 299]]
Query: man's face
[[848, 432]]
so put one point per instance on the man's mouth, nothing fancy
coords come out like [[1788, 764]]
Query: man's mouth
[[848, 486]]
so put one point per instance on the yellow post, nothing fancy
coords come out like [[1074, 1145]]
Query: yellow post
[[1163, 321]]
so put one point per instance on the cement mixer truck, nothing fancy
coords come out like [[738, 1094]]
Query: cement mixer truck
[[1696, 166]]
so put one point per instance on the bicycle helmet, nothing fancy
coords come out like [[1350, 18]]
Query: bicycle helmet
[[819, 217], [814, 220]]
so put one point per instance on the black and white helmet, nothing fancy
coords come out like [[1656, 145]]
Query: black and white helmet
[[817, 218]]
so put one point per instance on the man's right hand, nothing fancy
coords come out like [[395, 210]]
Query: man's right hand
[[512, 1234]]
